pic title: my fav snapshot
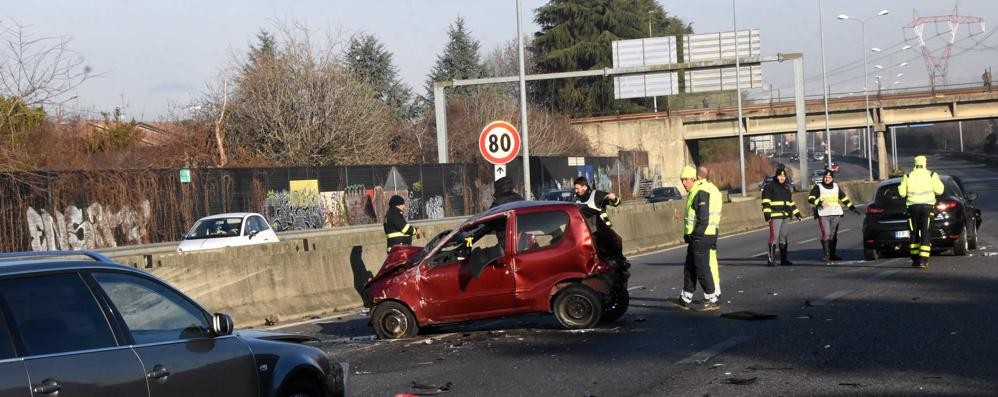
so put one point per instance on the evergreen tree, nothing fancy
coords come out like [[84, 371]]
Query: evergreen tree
[[460, 59], [577, 35], [368, 59], [263, 52]]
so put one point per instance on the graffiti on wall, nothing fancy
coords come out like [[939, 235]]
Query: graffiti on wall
[[94, 227], [294, 210]]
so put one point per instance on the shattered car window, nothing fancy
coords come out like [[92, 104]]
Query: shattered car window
[[540, 230], [485, 236]]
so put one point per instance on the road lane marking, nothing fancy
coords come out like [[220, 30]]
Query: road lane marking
[[808, 240], [831, 297], [884, 274], [635, 287], [706, 354]]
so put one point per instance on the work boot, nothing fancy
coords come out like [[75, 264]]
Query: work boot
[[915, 261], [679, 302], [923, 263], [831, 249], [783, 256], [824, 251], [709, 306], [771, 255]]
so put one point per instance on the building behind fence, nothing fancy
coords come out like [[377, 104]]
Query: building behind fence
[[102, 209]]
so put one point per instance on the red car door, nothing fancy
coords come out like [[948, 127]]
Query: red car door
[[469, 278]]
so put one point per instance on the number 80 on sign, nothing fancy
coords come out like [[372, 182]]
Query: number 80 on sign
[[499, 142]]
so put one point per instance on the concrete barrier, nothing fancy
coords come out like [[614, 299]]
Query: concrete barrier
[[321, 272]]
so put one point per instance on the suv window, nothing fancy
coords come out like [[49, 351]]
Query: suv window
[[153, 312], [540, 230], [56, 313], [888, 194], [6, 344]]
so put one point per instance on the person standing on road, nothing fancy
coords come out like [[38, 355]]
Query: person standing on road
[[703, 215], [920, 188], [827, 200], [397, 229], [777, 207], [595, 199]]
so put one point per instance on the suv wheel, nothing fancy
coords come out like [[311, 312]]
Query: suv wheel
[[577, 307], [960, 245], [301, 388], [392, 320], [871, 254]]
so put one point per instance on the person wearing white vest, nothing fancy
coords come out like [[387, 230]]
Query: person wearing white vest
[[828, 200]]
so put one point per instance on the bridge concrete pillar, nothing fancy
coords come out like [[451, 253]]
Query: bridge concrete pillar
[[883, 163], [661, 138]]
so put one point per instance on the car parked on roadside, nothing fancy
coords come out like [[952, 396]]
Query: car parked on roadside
[[666, 193], [560, 195], [90, 327], [817, 176], [227, 230], [954, 227], [520, 257]]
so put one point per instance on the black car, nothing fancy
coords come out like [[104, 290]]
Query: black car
[[560, 195], [886, 229], [661, 194], [72, 327]]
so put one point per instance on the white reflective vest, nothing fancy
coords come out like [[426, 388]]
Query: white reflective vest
[[829, 199]]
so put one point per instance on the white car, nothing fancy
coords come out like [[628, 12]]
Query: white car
[[228, 230]]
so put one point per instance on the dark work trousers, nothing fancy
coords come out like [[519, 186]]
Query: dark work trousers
[[778, 231], [701, 265], [919, 216], [829, 226]]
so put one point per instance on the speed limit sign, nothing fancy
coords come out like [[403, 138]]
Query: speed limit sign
[[499, 142]]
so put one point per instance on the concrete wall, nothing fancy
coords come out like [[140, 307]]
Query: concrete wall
[[662, 138], [317, 273]]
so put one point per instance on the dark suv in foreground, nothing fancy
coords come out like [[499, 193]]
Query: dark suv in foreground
[[954, 226], [71, 327]]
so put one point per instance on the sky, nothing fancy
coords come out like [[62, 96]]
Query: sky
[[154, 57]]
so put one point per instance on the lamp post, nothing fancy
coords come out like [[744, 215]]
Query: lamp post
[[824, 86], [654, 99], [866, 91]]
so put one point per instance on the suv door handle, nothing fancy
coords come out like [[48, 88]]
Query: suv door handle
[[48, 386], [158, 372]]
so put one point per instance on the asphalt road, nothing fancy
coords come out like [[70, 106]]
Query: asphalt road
[[866, 328]]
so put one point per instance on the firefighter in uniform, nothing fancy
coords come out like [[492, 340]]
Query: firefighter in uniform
[[777, 207], [703, 215], [920, 188], [827, 200], [397, 229], [595, 199]]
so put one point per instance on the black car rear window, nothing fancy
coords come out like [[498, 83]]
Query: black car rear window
[[888, 194], [55, 313]]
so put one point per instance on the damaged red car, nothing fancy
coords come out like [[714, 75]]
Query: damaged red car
[[518, 258]]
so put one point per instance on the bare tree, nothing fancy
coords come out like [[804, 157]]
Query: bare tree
[[35, 72], [299, 105]]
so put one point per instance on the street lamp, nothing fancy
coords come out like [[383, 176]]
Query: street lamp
[[866, 93]]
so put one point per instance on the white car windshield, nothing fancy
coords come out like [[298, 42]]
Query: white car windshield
[[215, 227]]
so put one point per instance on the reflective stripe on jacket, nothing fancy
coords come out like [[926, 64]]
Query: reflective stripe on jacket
[[920, 186], [697, 206]]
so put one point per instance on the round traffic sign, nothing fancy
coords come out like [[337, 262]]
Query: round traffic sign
[[499, 142]]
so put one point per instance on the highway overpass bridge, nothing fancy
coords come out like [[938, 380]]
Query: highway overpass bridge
[[665, 135]]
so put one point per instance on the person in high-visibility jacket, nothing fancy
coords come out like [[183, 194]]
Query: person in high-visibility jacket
[[595, 199], [777, 207], [919, 189], [703, 216], [397, 229], [827, 200]]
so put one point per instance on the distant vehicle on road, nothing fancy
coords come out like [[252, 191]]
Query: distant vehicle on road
[[517, 258], [817, 176], [227, 230], [835, 167], [77, 324], [560, 195], [886, 229], [819, 156], [661, 194]]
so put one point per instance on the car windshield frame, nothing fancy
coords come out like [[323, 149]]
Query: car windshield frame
[[206, 228]]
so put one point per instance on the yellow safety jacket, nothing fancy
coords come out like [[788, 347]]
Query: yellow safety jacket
[[713, 208], [920, 186]]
